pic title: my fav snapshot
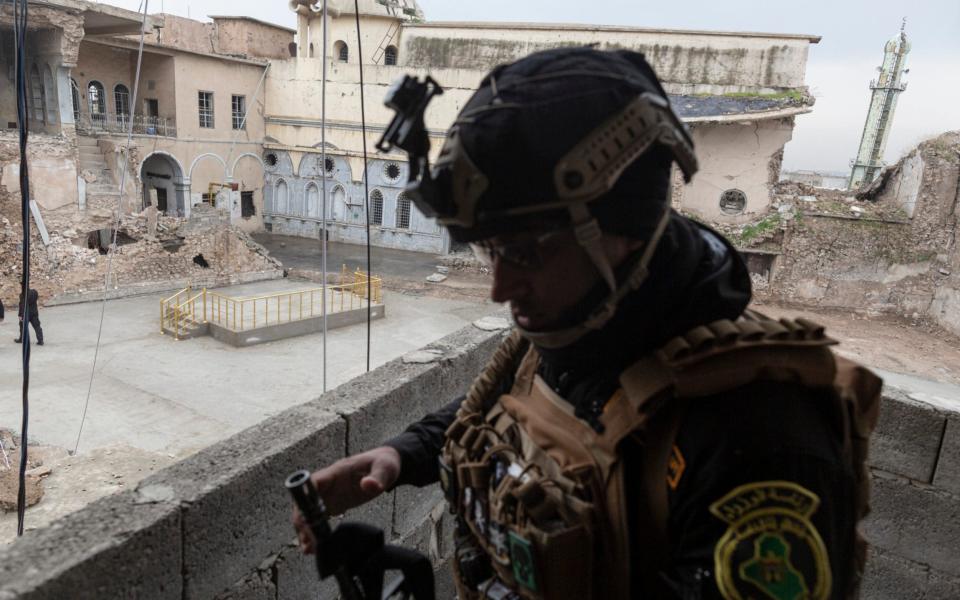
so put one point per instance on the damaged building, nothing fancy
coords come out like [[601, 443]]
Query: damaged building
[[227, 116], [739, 92], [889, 248], [194, 160]]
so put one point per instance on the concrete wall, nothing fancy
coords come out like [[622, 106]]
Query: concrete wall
[[689, 62], [248, 37], [217, 523], [735, 156]]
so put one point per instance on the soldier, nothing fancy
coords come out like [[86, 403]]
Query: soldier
[[641, 433], [32, 299]]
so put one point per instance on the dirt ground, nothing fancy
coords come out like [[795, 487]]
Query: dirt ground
[[886, 342]]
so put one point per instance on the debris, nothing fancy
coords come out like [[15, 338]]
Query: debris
[[491, 324], [436, 278], [424, 356]]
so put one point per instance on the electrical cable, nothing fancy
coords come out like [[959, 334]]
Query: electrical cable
[[20, 30], [366, 180], [323, 182], [116, 229]]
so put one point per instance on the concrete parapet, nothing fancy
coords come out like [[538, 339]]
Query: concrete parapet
[[216, 525]]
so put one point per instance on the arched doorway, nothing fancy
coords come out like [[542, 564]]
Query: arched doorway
[[162, 175]]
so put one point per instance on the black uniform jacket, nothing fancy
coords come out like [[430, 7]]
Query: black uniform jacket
[[764, 449]]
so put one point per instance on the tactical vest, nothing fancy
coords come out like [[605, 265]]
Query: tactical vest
[[539, 493]]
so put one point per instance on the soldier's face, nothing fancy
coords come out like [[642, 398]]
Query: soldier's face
[[544, 276]]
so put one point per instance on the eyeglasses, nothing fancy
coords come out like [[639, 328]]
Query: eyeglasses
[[526, 254]]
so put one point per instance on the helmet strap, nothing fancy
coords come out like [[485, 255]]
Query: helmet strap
[[602, 314]]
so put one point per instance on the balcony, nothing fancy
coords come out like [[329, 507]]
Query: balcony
[[120, 124]]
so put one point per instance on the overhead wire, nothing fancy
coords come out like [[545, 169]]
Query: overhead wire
[[323, 182], [116, 229], [366, 179], [23, 129]]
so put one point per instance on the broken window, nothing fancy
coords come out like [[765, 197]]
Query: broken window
[[271, 159], [121, 103], [75, 96], [328, 166], [390, 56], [238, 106], [376, 207], [51, 94], [38, 99], [341, 50], [205, 107], [392, 172], [733, 202], [403, 212], [96, 102]]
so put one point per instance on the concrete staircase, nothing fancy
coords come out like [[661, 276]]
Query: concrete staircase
[[91, 159]]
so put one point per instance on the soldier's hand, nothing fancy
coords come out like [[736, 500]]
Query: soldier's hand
[[350, 482]]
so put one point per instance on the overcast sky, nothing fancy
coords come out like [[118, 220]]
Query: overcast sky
[[838, 72]]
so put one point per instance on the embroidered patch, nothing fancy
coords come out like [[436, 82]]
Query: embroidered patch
[[675, 467], [770, 549]]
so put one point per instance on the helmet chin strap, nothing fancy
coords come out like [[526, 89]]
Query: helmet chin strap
[[590, 238]]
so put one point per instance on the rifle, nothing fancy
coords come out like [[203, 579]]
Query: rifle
[[356, 555]]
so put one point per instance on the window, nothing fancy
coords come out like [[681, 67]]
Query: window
[[38, 99], [733, 202], [376, 207], [50, 91], [341, 51], [390, 56], [328, 166], [205, 102], [75, 96], [96, 102], [391, 172], [247, 208], [238, 106], [121, 102], [271, 160], [281, 195], [403, 212]]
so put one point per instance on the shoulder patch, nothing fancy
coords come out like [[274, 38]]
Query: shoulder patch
[[770, 549], [675, 468]]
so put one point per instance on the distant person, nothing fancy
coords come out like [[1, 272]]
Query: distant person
[[32, 297]]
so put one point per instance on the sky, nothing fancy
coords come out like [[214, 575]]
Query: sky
[[839, 68]]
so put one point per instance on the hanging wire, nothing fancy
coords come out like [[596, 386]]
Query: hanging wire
[[366, 180], [116, 229], [243, 123], [323, 180]]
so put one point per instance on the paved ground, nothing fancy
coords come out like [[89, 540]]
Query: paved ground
[[304, 253], [155, 400]]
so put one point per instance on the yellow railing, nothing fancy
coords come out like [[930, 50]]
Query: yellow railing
[[185, 308], [182, 310]]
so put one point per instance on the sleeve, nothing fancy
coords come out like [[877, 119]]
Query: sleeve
[[420, 445], [761, 498]]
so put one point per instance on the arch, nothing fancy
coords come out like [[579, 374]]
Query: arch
[[390, 56], [96, 103], [75, 96], [281, 197], [201, 157], [338, 200], [38, 97], [162, 171], [376, 207], [312, 198], [233, 168], [50, 91], [341, 51], [121, 102], [403, 211]]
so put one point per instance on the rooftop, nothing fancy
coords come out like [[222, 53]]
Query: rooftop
[[252, 20]]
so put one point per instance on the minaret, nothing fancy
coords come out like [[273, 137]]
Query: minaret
[[883, 102]]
